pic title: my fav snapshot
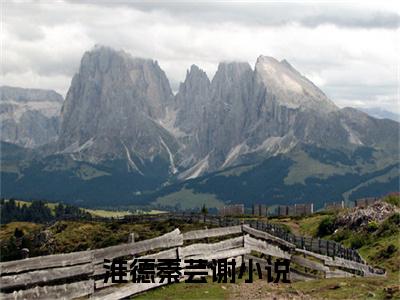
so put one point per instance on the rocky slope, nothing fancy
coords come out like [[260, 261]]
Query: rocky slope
[[29, 117], [122, 107], [360, 217], [112, 110], [246, 116]]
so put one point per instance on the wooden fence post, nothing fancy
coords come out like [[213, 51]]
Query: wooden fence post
[[93, 266], [131, 237], [327, 248]]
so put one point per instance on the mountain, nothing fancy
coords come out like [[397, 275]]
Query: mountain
[[112, 107], [266, 134], [29, 117], [252, 115], [380, 113], [289, 87]]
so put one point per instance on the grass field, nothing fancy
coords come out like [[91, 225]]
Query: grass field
[[107, 213], [306, 226], [98, 212], [187, 199], [8, 230], [71, 236], [356, 288], [187, 291]]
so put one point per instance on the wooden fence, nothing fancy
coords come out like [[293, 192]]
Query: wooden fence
[[326, 247], [81, 274], [321, 246]]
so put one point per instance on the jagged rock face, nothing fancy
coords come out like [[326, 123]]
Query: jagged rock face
[[120, 107], [289, 87], [112, 106], [29, 117], [251, 115], [213, 115], [226, 118], [248, 114], [191, 100]]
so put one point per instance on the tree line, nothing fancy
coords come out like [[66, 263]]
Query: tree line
[[38, 212]]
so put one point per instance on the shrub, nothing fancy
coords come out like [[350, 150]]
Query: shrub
[[341, 235], [286, 228], [395, 219], [389, 251], [114, 225], [18, 233], [393, 199], [359, 240], [326, 227], [390, 226], [372, 226]]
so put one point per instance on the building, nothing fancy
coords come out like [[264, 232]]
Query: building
[[296, 209], [231, 210], [303, 209], [282, 210], [334, 205], [291, 210], [260, 210]]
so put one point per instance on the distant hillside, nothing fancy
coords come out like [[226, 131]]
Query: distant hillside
[[381, 113]]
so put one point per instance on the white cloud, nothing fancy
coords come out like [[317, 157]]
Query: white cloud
[[351, 53]]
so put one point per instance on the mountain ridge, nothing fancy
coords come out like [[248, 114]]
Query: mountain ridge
[[29, 117], [122, 126]]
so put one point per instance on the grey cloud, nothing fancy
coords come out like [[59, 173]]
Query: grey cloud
[[27, 33], [266, 14], [359, 95], [358, 20]]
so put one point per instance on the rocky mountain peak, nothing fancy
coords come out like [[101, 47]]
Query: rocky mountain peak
[[113, 104], [9, 93], [231, 71], [194, 71], [191, 99], [144, 77], [196, 80], [29, 117], [231, 81], [289, 87]]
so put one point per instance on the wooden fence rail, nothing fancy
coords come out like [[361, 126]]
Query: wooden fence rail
[[325, 247], [331, 248]]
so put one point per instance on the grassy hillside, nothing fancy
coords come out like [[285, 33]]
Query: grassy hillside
[[309, 175], [70, 236], [105, 213], [187, 199], [305, 174]]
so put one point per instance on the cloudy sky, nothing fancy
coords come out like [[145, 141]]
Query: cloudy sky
[[349, 49]]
